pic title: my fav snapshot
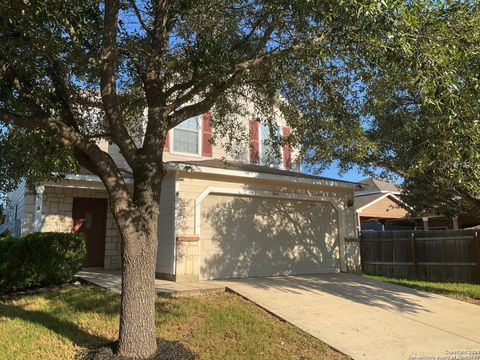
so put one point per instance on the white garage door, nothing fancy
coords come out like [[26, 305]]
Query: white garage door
[[249, 236]]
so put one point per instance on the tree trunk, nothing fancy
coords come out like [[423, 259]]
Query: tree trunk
[[137, 314]]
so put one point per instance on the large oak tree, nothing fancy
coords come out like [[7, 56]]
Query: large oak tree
[[75, 72], [413, 109]]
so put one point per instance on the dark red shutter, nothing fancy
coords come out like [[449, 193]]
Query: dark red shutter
[[287, 157], [166, 146], [254, 142], [206, 135]]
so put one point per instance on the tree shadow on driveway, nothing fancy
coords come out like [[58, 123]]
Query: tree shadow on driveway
[[345, 286]]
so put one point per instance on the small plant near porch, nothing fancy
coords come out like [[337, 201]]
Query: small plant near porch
[[39, 259]]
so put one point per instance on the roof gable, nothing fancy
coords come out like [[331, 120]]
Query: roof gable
[[388, 203], [375, 185]]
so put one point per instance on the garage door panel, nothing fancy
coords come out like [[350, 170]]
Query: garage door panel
[[248, 236]]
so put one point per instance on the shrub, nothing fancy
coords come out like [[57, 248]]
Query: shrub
[[40, 259]]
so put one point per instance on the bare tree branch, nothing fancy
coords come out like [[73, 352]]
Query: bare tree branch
[[138, 13]]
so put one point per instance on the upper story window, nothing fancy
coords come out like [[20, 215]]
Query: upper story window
[[265, 145], [269, 145], [187, 137]]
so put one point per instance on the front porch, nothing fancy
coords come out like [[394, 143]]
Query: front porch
[[54, 210]]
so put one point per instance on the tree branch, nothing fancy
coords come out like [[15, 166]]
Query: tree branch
[[62, 93], [138, 13], [113, 113], [159, 41], [204, 105], [197, 85], [86, 152]]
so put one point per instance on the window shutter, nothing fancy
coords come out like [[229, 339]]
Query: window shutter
[[254, 142], [287, 157], [206, 135], [166, 146]]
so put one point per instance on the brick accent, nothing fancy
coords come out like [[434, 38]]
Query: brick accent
[[188, 238]]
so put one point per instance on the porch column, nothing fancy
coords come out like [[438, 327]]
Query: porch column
[[425, 223], [359, 224], [455, 223], [37, 219]]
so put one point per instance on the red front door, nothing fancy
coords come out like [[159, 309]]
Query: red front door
[[90, 217]]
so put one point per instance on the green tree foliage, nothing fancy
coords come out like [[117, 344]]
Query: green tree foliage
[[412, 108], [73, 73]]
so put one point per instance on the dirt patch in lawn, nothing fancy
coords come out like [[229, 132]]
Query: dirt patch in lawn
[[167, 350]]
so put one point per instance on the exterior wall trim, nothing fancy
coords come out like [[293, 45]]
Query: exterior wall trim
[[93, 178], [37, 217], [174, 234], [366, 192], [336, 203], [260, 176], [199, 137], [93, 186]]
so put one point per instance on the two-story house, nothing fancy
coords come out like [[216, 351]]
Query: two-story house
[[222, 215]]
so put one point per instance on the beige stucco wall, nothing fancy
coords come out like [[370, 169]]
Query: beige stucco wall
[[239, 151], [352, 255], [191, 185]]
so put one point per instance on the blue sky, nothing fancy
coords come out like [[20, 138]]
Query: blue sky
[[351, 175]]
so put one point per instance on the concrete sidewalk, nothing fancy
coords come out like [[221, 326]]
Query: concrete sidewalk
[[367, 319], [112, 280]]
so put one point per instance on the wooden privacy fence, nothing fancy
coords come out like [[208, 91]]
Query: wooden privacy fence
[[435, 255]]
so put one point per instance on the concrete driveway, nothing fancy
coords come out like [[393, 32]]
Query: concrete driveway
[[367, 319]]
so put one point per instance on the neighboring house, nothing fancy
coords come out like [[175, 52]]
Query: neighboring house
[[379, 208], [221, 216]]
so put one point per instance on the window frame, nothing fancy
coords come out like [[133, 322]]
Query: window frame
[[200, 145], [260, 147]]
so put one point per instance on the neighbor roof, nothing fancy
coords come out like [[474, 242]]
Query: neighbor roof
[[364, 201], [374, 185], [361, 201]]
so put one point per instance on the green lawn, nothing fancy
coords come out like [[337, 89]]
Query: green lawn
[[58, 323], [459, 291]]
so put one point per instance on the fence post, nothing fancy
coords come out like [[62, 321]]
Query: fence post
[[361, 250], [414, 254], [476, 239]]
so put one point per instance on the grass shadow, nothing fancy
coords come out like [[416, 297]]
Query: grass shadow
[[61, 327]]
